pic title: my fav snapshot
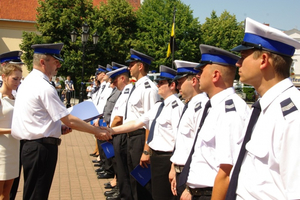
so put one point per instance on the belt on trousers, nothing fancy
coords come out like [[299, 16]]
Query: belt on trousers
[[160, 153], [200, 191], [178, 168], [137, 132], [46, 140]]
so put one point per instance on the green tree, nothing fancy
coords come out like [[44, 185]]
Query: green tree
[[223, 32], [154, 19], [115, 23]]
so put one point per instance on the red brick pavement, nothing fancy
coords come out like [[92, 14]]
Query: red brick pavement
[[75, 177]]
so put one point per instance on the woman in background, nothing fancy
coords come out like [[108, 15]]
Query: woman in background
[[9, 146]]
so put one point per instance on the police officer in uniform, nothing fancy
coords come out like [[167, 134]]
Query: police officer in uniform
[[37, 121], [162, 121], [188, 85], [270, 159], [142, 98], [120, 78], [218, 140]]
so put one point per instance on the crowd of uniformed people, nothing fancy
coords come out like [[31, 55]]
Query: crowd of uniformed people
[[189, 131]]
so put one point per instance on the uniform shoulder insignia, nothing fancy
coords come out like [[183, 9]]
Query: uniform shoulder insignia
[[287, 107], [229, 106], [198, 106], [174, 104], [126, 91], [147, 85]]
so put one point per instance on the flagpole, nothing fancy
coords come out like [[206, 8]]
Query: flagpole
[[173, 40]]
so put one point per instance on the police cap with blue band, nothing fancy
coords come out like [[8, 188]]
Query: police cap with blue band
[[116, 65], [100, 69], [11, 57], [138, 56], [211, 54], [166, 73], [108, 68], [185, 68], [115, 73], [49, 49], [263, 37]]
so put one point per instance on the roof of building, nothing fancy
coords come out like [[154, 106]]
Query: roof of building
[[25, 10]]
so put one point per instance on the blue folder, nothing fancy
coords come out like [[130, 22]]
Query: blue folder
[[108, 149], [142, 175]]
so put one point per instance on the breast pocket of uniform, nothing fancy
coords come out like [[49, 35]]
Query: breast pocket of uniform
[[163, 123], [259, 145]]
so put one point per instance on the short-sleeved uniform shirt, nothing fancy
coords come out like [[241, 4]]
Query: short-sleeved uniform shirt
[[186, 129], [271, 166], [141, 99], [219, 139], [164, 134], [119, 108], [38, 109]]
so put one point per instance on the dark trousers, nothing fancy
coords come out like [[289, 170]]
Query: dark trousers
[[39, 162], [179, 189], [68, 96], [160, 168], [123, 176], [14, 188], [135, 147]]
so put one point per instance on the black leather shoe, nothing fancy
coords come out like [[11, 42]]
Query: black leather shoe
[[105, 175], [115, 196], [109, 186], [96, 161], [101, 172], [98, 164], [111, 192], [105, 184], [99, 169], [92, 154]]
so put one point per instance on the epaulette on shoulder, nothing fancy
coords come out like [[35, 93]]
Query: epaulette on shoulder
[[198, 106], [229, 105], [147, 85], [287, 107], [174, 104], [126, 91]]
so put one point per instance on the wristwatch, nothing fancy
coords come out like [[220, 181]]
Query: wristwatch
[[146, 152]]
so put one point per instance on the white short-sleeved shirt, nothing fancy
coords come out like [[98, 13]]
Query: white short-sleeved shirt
[[186, 130], [166, 123], [99, 92], [141, 99], [103, 97], [271, 166], [119, 108], [38, 109], [219, 139]]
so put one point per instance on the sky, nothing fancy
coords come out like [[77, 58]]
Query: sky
[[280, 14]]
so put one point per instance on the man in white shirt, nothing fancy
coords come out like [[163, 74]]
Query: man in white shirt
[[37, 121], [268, 164], [218, 138]]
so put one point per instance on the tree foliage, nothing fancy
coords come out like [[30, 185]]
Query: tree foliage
[[154, 21], [223, 32], [115, 23]]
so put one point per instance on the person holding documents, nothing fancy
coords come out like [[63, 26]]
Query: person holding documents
[[37, 121], [161, 121]]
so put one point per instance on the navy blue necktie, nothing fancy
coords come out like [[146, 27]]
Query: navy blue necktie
[[231, 192], [184, 109], [128, 100], [184, 174], [151, 132]]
